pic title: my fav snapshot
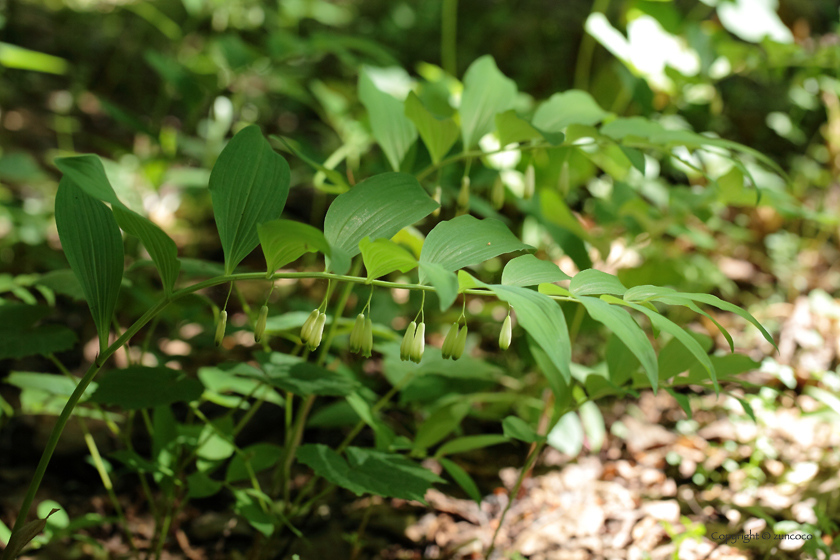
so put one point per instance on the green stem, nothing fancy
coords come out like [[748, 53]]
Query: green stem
[[64, 417], [449, 36], [587, 49]]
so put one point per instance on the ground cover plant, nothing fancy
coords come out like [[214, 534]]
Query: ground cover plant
[[455, 268]]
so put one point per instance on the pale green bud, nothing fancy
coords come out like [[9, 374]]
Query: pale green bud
[[418, 345], [497, 195], [437, 198], [408, 339], [367, 338], [220, 328], [314, 339], [308, 324], [259, 328], [356, 333], [530, 182], [460, 343], [464, 195], [505, 335], [449, 341]]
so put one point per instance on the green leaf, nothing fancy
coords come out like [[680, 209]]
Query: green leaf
[[304, 378], [19, 337], [463, 479], [668, 326], [20, 538], [680, 298], [445, 283], [569, 107], [242, 379], [138, 387], [438, 134], [589, 282], [202, 486], [486, 92], [543, 319], [383, 256], [260, 456], [92, 243], [247, 505], [377, 207], [567, 435], [682, 400], [439, 425], [556, 212], [466, 241], [285, 241], [48, 383], [216, 440], [593, 425], [553, 290], [89, 175], [517, 428], [624, 327], [528, 270], [248, 185], [512, 129], [469, 443], [369, 472], [394, 132]]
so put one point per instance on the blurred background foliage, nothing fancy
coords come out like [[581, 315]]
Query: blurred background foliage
[[156, 88]]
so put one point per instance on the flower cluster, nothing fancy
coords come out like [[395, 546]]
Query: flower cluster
[[361, 337], [454, 343], [313, 329], [414, 342]]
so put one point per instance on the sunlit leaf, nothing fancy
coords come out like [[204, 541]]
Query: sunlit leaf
[[569, 107], [377, 207], [567, 435], [631, 334], [438, 134], [592, 281], [528, 270], [466, 241], [486, 92], [285, 241], [383, 256], [394, 132]]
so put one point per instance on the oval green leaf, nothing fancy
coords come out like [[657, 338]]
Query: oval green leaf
[[377, 207], [528, 270], [92, 243], [248, 185], [486, 92], [285, 241]]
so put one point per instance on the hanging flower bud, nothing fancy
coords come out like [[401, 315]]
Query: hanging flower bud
[[460, 343], [356, 333], [437, 197], [314, 339], [530, 182], [464, 195], [408, 339], [449, 341], [564, 179], [308, 324], [259, 329], [367, 338], [418, 344], [497, 195], [220, 328], [505, 335]]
